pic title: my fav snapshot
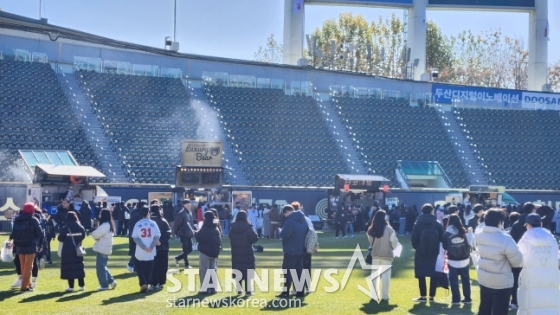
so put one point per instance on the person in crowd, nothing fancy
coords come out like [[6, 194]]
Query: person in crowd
[[160, 266], [227, 219], [183, 227], [275, 219], [121, 218], [440, 214], [478, 211], [168, 213], [62, 210], [513, 217], [426, 238], [349, 226], [72, 265], [117, 215], [547, 215], [27, 237], [235, 210], [411, 216], [209, 244], [266, 222], [50, 233], [340, 221], [306, 256], [456, 243], [39, 259], [200, 214], [498, 255], [383, 239], [242, 237], [103, 248], [146, 235], [293, 235], [395, 219], [517, 230], [253, 216], [85, 216], [125, 217], [216, 220], [540, 278], [135, 216]]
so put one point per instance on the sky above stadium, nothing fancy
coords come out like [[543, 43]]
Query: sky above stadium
[[236, 28]]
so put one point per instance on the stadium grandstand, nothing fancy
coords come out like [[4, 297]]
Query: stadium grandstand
[[128, 119]]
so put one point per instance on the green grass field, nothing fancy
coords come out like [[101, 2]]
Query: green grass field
[[49, 296]]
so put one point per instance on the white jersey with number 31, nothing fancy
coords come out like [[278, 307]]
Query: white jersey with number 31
[[146, 230]]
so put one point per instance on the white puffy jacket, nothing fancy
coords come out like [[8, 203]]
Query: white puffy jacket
[[103, 239], [497, 254], [539, 280]]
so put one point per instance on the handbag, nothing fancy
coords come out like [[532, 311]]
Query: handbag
[[7, 252], [369, 259], [80, 250], [59, 251]]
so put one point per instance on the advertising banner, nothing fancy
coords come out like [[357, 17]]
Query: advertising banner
[[201, 153], [465, 95], [241, 199]]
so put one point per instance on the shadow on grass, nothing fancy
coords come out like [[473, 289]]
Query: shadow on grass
[[374, 307], [73, 297], [8, 272], [279, 304], [41, 297], [8, 294], [127, 297], [125, 275]]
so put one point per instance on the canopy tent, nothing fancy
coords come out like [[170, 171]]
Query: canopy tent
[[69, 170]]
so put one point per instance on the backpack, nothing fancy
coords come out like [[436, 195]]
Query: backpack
[[311, 241], [22, 234], [458, 248], [429, 242]]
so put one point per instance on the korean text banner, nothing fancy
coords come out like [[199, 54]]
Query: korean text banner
[[201, 153], [449, 94]]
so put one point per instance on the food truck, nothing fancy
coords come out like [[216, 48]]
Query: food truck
[[56, 175]]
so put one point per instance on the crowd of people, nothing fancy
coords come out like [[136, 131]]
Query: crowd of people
[[513, 248], [149, 233]]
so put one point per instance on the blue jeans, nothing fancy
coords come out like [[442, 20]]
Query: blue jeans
[[117, 227], [350, 228], [454, 274], [103, 275], [226, 227]]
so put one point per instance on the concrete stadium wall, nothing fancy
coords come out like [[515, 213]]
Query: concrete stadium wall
[[64, 51]]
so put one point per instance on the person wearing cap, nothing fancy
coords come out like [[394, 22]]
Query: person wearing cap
[[27, 237], [540, 278]]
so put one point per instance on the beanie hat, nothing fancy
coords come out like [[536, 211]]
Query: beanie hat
[[28, 207], [154, 210]]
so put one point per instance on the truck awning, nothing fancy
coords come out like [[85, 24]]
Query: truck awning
[[369, 178], [69, 170]]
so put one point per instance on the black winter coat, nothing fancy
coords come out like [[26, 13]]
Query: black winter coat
[[424, 266], [85, 217], [242, 237], [518, 228], [209, 240], [168, 213], [71, 265], [165, 231], [34, 229]]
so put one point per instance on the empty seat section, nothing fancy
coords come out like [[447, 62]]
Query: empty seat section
[[517, 149], [279, 140], [145, 119], [384, 131], [37, 115]]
